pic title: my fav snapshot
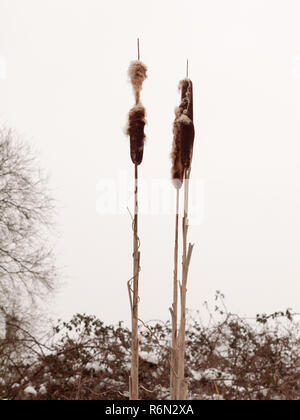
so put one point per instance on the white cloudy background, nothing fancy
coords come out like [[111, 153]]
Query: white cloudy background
[[63, 86]]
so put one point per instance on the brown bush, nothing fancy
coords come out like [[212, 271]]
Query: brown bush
[[232, 359]]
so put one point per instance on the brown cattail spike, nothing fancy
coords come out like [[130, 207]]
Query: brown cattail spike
[[185, 121], [177, 167], [137, 73], [184, 134], [137, 116], [135, 129], [187, 134]]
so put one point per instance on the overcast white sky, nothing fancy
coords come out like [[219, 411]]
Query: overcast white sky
[[66, 91]]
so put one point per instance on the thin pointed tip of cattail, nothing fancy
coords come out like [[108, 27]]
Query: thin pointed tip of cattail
[[138, 49]]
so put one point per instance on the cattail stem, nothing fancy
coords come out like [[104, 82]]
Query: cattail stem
[[186, 258], [135, 130], [174, 310], [182, 153], [134, 378]]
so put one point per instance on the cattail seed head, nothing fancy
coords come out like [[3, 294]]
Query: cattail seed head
[[135, 130], [185, 121], [184, 134], [137, 73], [177, 167], [186, 87], [187, 134]]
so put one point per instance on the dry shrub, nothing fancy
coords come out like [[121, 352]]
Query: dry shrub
[[231, 359]]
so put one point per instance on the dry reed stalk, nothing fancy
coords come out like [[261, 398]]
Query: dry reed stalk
[[184, 135], [135, 130], [174, 310], [186, 259], [177, 179], [134, 377]]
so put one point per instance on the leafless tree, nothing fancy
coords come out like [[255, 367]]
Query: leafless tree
[[26, 259]]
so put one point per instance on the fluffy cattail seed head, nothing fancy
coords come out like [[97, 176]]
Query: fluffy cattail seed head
[[137, 73], [135, 130], [184, 134]]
